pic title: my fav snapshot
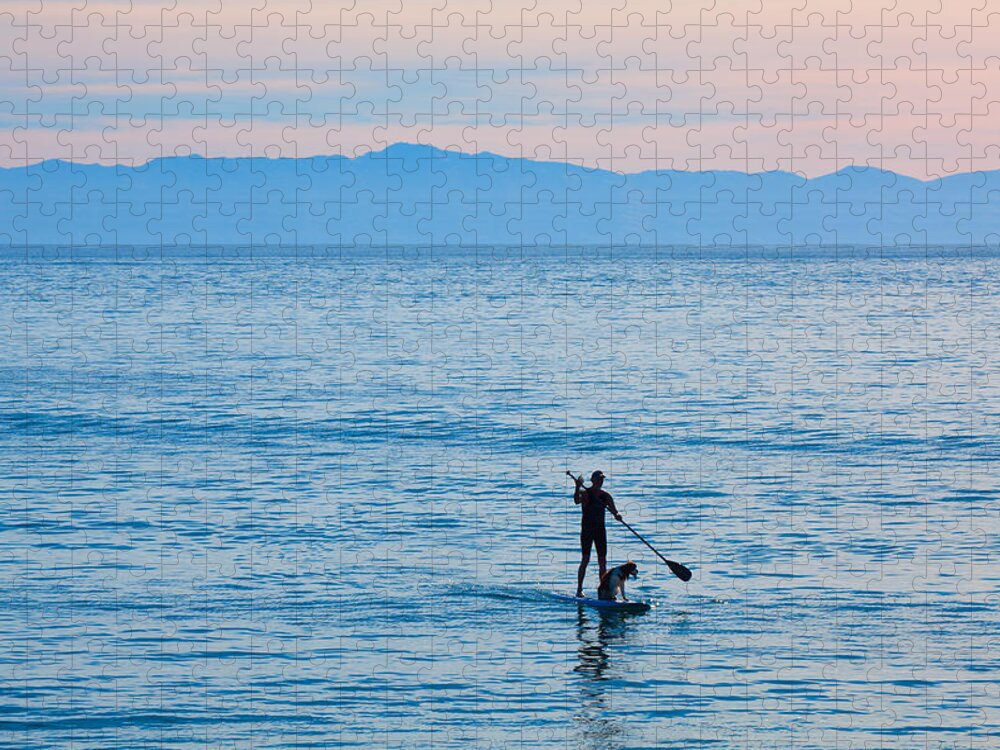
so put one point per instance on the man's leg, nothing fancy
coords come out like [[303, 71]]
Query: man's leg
[[585, 542], [601, 543]]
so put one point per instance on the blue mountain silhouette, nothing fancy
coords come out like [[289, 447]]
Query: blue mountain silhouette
[[410, 194]]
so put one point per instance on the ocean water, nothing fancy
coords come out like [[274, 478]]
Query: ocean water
[[315, 497]]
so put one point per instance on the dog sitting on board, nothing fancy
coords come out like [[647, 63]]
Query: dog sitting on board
[[613, 582]]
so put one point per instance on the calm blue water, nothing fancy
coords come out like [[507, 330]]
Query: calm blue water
[[314, 498]]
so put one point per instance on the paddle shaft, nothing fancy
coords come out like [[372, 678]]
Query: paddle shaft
[[641, 539], [675, 567]]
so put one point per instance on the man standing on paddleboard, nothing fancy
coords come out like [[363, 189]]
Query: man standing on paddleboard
[[592, 532]]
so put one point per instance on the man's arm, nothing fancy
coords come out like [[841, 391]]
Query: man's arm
[[609, 503]]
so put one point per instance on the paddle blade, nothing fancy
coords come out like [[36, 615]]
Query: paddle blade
[[679, 570]]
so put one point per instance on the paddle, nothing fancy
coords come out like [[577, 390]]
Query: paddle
[[676, 568]]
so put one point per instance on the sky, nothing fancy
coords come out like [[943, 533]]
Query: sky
[[794, 85]]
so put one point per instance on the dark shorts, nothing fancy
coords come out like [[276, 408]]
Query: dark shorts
[[598, 536]]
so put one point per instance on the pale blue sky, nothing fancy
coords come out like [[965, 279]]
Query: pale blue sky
[[809, 89]]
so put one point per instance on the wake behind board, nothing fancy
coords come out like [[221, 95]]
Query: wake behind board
[[611, 606]]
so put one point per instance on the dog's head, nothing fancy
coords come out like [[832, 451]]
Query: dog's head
[[630, 570]]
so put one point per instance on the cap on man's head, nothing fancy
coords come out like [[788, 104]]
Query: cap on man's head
[[596, 475]]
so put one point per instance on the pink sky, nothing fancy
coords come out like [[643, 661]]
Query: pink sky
[[799, 86]]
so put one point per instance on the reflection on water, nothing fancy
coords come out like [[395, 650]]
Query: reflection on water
[[601, 636]]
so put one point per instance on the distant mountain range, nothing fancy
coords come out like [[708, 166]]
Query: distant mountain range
[[411, 194]]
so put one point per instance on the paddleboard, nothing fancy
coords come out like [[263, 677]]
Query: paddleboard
[[613, 606]]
